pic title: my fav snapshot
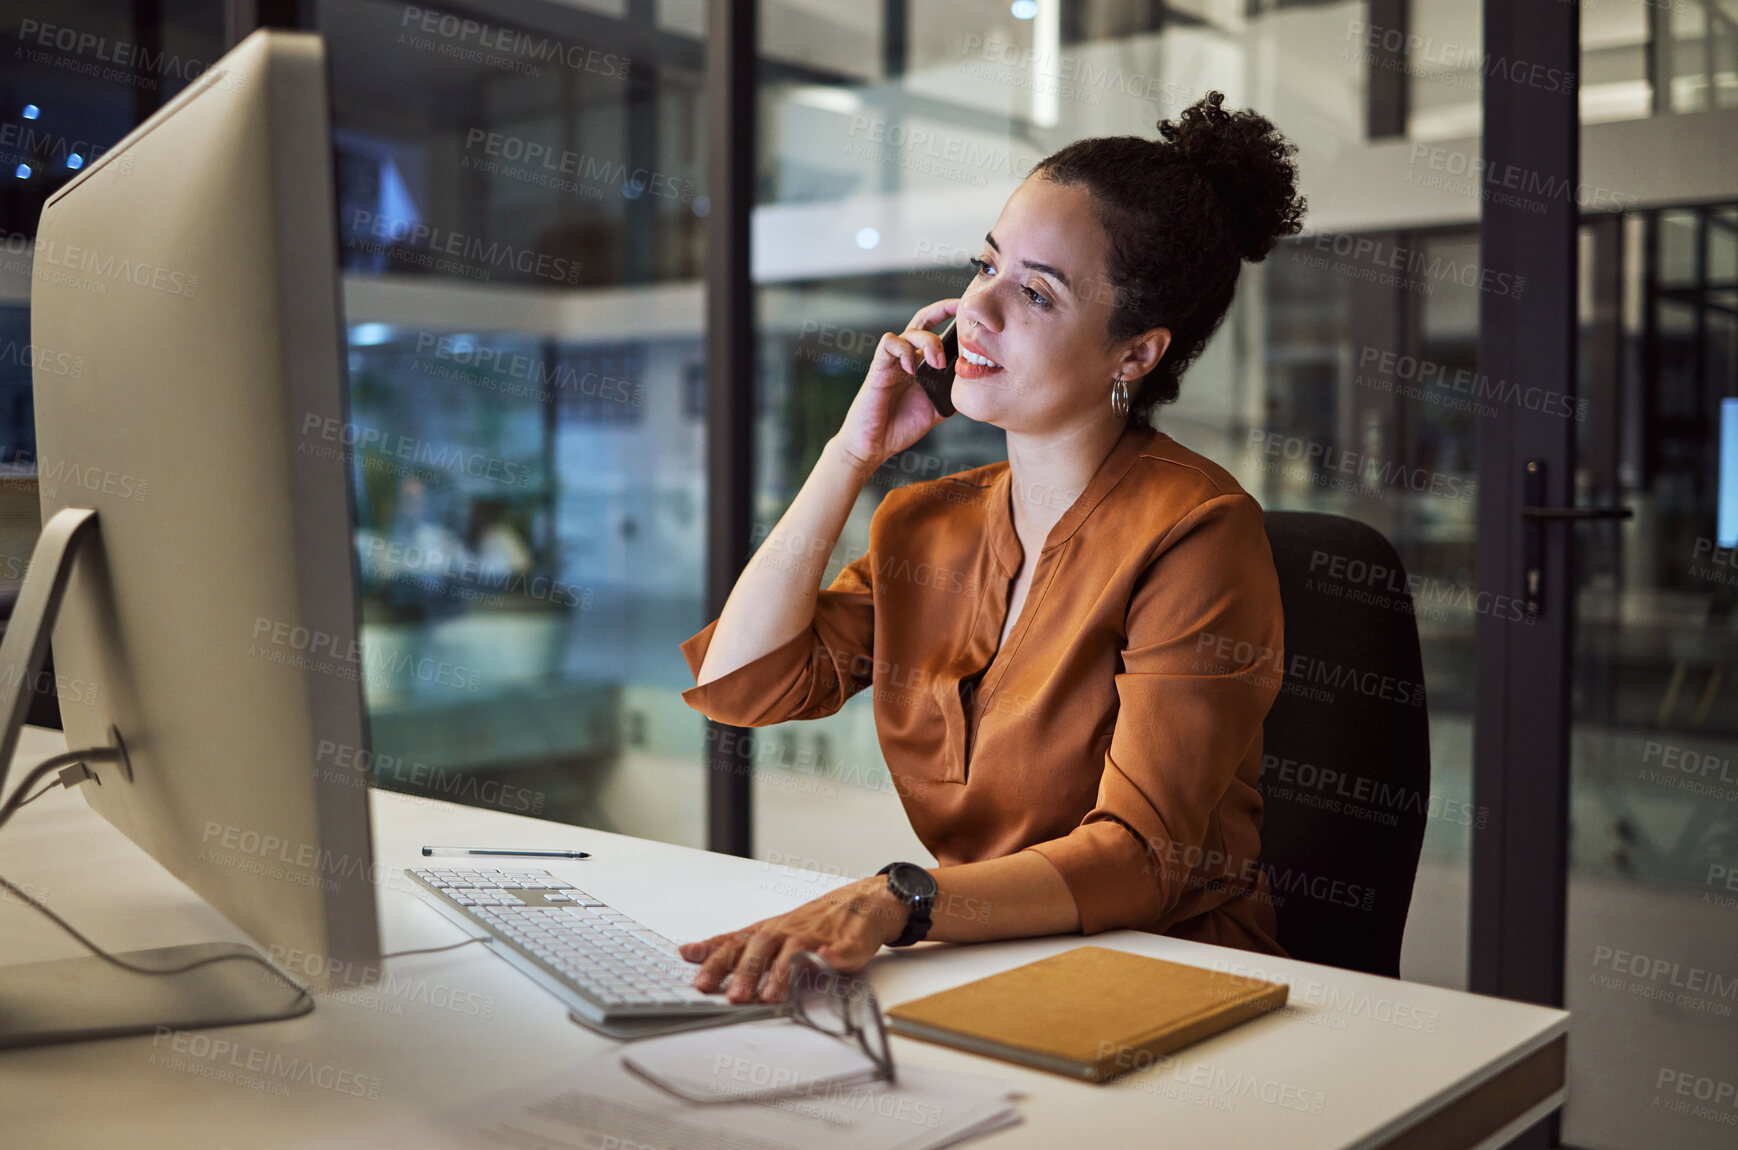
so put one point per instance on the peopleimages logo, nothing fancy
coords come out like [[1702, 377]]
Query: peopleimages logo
[[943, 154], [382, 983], [1453, 65], [41, 360], [1358, 580], [587, 169], [140, 273], [274, 857], [499, 46], [346, 656], [1225, 653], [127, 57], [1721, 1094], [1327, 465], [454, 786], [539, 377], [481, 255], [1529, 187], [1227, 1083], [446, 457], [1360, 796], [1395, 263], [220, 1058], [49, 478], [25, 143], [1427, 377], [1080, 78]]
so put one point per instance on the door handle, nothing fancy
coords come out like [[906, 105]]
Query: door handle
[[1536, 515]]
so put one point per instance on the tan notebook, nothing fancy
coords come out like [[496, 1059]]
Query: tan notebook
[[1090, 1012]]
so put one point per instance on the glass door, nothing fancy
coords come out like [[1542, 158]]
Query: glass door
[[1651, 962]]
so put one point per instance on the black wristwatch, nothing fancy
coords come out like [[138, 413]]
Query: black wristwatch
[[915, 887]]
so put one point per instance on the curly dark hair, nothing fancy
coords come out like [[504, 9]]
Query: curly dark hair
[[1181, 213]]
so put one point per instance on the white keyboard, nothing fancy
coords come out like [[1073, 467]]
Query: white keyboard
[[600, 962]]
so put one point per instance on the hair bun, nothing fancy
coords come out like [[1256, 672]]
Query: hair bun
[[1248, 165]]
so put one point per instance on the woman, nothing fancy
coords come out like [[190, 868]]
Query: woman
[[1071, 652]]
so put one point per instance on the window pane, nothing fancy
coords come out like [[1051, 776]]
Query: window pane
[[520, 212], [879, 191]]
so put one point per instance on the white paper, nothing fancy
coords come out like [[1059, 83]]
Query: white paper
[[750, 1058], [602, 1103]]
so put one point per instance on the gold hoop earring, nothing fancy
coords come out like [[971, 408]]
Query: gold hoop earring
[[1119, 397]]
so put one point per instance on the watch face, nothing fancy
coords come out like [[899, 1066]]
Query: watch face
[[917, 888], [912, 881]]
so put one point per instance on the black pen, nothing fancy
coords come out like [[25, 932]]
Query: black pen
[[505, 852]]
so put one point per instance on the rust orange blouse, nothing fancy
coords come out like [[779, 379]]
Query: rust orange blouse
[[1117, 732]]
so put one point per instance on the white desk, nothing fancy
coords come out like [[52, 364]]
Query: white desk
[[1355, 1060]]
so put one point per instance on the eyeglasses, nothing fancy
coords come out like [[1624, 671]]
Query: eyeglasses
[[845, 1008], [825, 1001]]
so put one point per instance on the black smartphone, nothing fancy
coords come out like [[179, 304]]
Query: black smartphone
[[937, 382]]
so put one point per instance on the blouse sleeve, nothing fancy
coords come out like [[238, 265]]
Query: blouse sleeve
[[811, 674], [1205, 630]]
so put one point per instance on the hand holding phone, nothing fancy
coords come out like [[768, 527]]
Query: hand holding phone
[[937, 382], [888, 415]]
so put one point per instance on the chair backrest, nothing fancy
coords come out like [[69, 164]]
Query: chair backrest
[[1346, 748], [44, 701]]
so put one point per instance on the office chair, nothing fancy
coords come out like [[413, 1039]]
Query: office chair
[[44, 703], [1343, 876]]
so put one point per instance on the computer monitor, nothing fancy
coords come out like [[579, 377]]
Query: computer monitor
[[213, 609]]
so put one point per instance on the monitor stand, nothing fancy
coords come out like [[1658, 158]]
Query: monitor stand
[[75, 999]]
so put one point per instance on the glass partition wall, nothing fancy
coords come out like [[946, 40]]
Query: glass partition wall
[[520, 210], [1330, 386], [1651, 963]]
